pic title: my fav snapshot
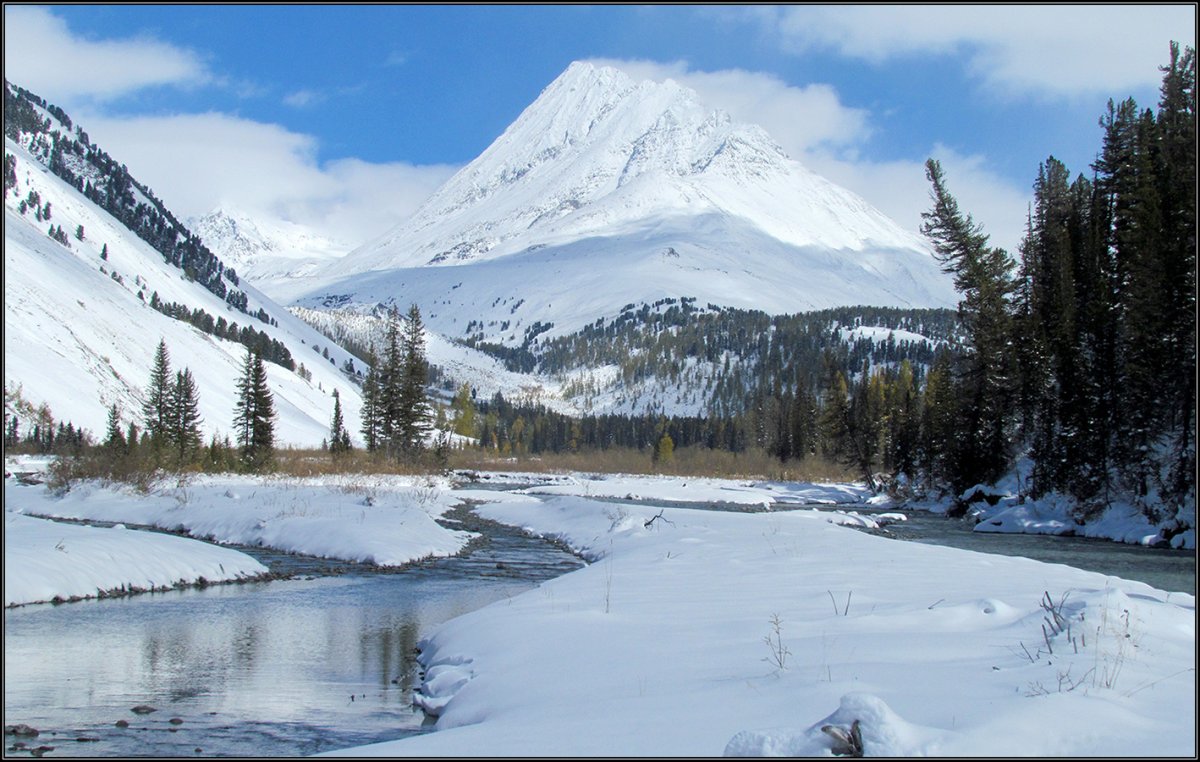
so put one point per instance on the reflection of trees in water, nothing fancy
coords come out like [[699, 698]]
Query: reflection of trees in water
[[184, 661], [388, 650]]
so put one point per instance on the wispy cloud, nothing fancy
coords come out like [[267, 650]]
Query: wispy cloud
[[800, 119], [43, 55], [1043, 50], [303, 98]]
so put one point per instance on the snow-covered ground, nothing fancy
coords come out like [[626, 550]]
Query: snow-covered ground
[[708, 633], [45, 560], [383, 520], [667, 645]]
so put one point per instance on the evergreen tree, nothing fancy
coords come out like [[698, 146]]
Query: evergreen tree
[[391, 371], [371, 405], [1177, 181], [986, 380], [114, 439], [339, 438], [185, 417], [413, 420], [903, 422], [254, 414], [939, 424], [156, 410]]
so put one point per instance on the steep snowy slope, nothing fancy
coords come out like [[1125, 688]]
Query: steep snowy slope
[[79, 334], [606, 191]]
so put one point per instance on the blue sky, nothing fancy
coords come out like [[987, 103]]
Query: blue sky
[[346, 118]]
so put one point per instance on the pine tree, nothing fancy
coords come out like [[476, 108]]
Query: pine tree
[[114, 439], [371, 407], [987, 377], [254, 414], [389, 380], [339, 438], [413, 420], [185, 417], [1177, 181], [156, 410]]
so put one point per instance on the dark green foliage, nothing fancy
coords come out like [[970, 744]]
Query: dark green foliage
[[371, 405], [339, 437], [10, 173], [985, 376], [156, 409], [414, 414], [396, 413], [184, 436], [114, 438], [254, 415], [261, 342]]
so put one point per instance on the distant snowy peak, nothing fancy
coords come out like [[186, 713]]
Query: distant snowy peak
[[598, 154], [267, 251]]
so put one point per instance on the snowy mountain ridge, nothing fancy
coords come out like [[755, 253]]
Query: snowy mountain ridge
[[606, 192], [598, 153]]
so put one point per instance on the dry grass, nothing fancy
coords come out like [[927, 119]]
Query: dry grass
[[315, 462], [689, 461]]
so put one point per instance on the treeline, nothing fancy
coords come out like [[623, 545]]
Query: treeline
[[110, 186], [1083, 354], [163, 437], [259, 342]]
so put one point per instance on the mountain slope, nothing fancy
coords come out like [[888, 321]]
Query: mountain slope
[[80, 334], [606, 191]]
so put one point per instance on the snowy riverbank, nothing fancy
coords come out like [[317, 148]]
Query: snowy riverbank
[[387, 521], [700, 633], [46, 560], [706, 633]]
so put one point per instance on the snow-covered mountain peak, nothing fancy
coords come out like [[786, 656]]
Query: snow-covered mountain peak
[[594, 149], [607, 191]]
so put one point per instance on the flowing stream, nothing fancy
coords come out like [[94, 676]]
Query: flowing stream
[[323, 661], [326, 660]]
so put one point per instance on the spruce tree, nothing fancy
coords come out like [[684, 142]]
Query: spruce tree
[[114, 439], [254, 414], [987, 373], [339, 438], [185, 422], [413, 423], [370, 408], [156, 410], [389, 413]]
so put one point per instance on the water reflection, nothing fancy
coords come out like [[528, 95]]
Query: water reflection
[[280, 668]]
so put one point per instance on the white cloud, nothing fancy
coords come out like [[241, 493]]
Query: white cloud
[[899, 189], [42, 55], [196, 162], [1048, 50], [303, 98], [799, 118]]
